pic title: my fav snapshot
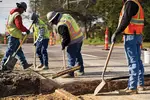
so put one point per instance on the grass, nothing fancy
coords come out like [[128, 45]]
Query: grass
[[146, 44], [94, 41]]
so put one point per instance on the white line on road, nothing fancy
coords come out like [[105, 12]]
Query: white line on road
[[90, 55]]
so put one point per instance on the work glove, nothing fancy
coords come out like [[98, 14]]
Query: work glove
[[113, 38], [34, 43], [35, 21], [63, 47], [28, 32]]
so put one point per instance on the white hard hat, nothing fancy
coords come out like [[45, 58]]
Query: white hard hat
[[51, 15]]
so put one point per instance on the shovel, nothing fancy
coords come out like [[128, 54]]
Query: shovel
[[11, 60], [102, 84], [64, 60], [34, 38]]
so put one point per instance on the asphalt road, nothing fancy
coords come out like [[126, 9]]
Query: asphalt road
[[94, 59]]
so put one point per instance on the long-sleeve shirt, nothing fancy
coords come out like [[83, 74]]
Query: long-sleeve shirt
[[41, 32], [18, 20], [64, 32], [130, 10]]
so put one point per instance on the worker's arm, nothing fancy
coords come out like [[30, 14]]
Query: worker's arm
[[130, 10], [40, 34], [64, 32], [19, 25]]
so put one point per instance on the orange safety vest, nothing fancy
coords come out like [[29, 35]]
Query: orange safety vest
[[137, 22]]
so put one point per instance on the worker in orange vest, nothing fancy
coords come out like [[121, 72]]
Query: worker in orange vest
[[131, 21]]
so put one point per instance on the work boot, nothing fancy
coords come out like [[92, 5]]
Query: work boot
[[3, 68], [78, 73], [40, 66], [128, 91], [45, 68], [141, 88], [26, 65]]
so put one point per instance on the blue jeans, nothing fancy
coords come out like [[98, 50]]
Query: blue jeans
[[41, 50], [74, 55], [13, 44], [133, 53]]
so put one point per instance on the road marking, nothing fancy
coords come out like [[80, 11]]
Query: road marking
[[90, 55]]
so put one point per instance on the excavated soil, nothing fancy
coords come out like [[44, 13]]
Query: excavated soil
[[81, 88], [19, 85]]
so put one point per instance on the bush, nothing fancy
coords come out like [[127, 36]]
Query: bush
[[94, 41]]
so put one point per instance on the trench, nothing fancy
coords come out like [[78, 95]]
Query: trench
[[28, 83]]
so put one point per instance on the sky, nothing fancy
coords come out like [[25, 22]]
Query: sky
[[5, 7]]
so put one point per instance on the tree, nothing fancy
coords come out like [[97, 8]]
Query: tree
[[147, 21], [87, 11]]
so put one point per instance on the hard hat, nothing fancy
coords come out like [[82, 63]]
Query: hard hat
[[22, 5], [34, 16], [51, 15]]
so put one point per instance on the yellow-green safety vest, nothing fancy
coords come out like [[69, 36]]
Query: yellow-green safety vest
[[74, 30], [41, 24], [11, 27]]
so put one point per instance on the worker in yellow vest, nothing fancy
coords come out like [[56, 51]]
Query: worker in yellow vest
[[131, 23], [72, 38], [14, 29], [42, 39]]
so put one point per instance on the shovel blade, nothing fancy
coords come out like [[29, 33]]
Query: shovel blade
[[99, 87], [10, 63]]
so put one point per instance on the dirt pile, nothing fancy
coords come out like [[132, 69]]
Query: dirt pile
[[18, 83]]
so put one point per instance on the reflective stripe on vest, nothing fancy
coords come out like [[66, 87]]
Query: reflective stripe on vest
[[11, 27], [74, 30], [137, 22], [41, 24]]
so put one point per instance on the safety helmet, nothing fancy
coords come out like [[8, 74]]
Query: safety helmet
[[51, 15], [22, 5], [34, 16]]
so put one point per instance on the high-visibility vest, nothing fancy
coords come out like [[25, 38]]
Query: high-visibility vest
[[74, 30], [37, 27], [11, 27], [137, 22]]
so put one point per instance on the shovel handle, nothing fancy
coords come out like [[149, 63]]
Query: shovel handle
[[22, 41], [64, 59], [34, 39], [107, 60]]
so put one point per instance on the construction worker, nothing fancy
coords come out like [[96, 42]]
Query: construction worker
[[131, 23], [15, 28], [42, 39], [72, 38]]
